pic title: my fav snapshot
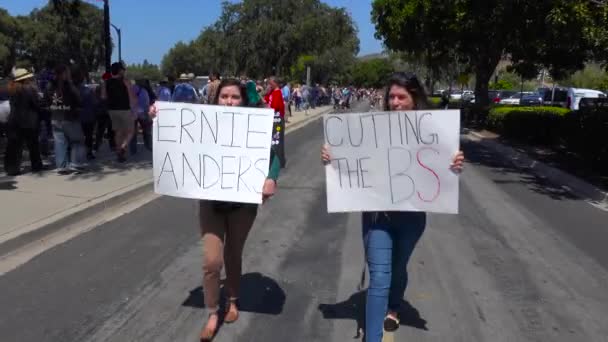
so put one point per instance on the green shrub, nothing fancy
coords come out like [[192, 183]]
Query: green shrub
[[586, 133], [434, 101], [538, 125]]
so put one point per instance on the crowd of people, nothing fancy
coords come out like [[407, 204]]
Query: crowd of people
[[62, 116], [80, 117]]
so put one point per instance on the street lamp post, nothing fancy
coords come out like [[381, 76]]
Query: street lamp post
[[106, 33], [119, 42]]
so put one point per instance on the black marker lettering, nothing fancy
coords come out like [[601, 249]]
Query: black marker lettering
[[262, 172], [159, 126], [205, 171], [363, 171], [434, 136], [327, 131], [249, 131], [183, 127], [213, 133], [241, 173], [392, 175], [186, 162], [413, 126], [350, 136], [162, 170], [223, 172]]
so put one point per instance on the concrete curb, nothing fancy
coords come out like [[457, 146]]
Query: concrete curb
[[39, 230], [589, 192], [52, 224], [308, 120]]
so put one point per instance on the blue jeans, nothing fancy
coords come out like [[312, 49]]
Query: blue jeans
[[389, 240], [68, 136]]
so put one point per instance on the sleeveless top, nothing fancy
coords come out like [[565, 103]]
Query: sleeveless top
[[118, 95]]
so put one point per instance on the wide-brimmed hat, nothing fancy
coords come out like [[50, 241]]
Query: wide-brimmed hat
[[185, 77], [21, 75]]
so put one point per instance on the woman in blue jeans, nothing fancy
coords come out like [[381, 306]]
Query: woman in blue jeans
[[390, 237]]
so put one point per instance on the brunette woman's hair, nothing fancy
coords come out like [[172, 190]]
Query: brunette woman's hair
[[410, 82], [229, 82]]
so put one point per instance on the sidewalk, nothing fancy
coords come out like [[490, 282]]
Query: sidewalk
[[548, 165], [38, 204]]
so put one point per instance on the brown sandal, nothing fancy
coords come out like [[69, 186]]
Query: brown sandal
[[231, 315], [207, 334]]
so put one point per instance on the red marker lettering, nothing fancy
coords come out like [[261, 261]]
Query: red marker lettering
[[431, 171]]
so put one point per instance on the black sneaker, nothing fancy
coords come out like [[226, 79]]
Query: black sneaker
[[391, 323], [90, 156]]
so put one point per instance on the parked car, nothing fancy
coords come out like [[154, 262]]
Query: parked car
[[533, 99], [456, 95], [554, 96], [576, 94], [497, 95], [599, 102], [514, 99]]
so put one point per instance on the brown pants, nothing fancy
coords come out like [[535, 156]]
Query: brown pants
[[224, 234]]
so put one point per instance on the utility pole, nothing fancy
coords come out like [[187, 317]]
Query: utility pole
[[118, 32], [106, 34], [308, 76]]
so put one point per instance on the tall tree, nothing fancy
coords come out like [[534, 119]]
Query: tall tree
[[483, 32], [9, 40], [263, 37], [68, 31]]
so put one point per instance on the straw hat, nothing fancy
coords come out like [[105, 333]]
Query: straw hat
[[184, 77], [22, 75]]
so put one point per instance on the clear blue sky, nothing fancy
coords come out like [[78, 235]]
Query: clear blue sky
[[150, 28]]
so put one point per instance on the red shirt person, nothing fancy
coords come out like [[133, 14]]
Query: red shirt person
[[274, 98]]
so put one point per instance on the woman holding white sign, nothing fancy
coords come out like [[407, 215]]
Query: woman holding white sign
[[225, 226], [390, 237]]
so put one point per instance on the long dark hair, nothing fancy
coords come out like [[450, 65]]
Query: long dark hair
[[229, 82], [410, 82]]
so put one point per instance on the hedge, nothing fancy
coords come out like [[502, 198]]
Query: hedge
[[584, 132], [537, 125]]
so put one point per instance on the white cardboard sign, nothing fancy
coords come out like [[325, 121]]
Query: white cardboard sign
[[392, 161], [211, 152]]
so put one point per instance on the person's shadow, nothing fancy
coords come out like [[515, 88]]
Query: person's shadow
[[259, 294], [354, 308]]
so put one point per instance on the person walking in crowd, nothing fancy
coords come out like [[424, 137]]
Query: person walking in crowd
[[143, 94], [274, 99], [184, 90], [65, 104], [104, 124], [297, 97], [390, 237], [214, 77], [253, 97], [87, 111], [164, 93], [286, 91], [121, 103], [225, 227], [22, 124]]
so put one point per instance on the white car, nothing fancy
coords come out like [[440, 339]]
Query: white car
[[514, 99], [5, 110], [576, 94]]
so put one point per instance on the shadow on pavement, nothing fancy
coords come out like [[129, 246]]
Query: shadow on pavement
[[478, 154], [354, 308], [7, 183], [259, 294]]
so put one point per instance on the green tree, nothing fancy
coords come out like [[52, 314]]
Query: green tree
[[9, 40], [144, 70], [481, 33], [62, 32], [372, 72], [264, 37]]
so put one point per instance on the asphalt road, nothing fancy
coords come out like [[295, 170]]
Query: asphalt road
[[523, 261]]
